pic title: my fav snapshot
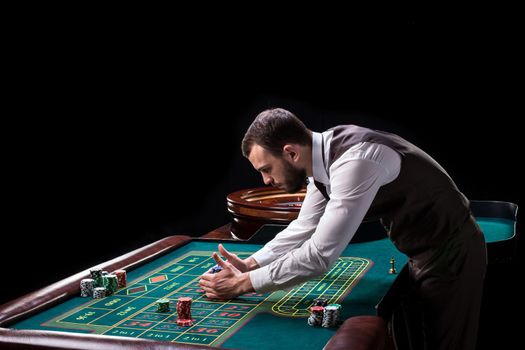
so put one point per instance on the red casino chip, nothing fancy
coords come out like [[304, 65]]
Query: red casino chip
[[184, 323], [184, 311]]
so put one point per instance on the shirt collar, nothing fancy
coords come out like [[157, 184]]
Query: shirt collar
[[318, 160]]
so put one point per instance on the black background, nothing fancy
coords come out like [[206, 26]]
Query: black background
[[111, 152]]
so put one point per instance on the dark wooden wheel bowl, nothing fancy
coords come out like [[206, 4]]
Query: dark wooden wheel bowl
[[251, 208]]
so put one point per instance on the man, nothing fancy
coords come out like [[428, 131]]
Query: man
[[356, 172]]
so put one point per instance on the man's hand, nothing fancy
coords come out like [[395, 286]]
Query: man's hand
[[243, 265], [226, 284]]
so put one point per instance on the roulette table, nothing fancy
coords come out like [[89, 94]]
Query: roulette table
[[57, 317]]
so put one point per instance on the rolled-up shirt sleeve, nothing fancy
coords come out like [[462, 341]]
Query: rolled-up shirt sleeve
[[355, 180]]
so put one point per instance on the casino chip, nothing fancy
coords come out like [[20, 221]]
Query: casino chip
[[324, 315], [99, 293], [111, 283], [316, 316], [87, 285], [163, 305], [102, 283], [331, 315], [216, 268], [96, 274], [121, 275], [184, 312]]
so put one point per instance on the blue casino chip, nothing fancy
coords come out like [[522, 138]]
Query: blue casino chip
[[216, 269]]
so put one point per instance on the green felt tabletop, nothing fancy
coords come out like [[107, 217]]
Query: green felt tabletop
[[496, 229], [357, 281]]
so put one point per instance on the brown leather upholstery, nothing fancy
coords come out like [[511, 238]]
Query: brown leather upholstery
[[30, 340], [361, 333]]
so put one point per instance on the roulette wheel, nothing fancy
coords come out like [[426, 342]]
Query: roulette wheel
[[253, 207]]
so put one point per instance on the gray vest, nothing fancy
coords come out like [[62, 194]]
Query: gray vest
[[419, 209]]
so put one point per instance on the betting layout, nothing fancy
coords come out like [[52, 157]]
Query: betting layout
[[133, 311]]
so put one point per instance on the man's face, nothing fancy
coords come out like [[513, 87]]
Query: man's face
[[277, 171]]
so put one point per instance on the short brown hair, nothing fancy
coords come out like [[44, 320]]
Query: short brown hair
[[274, 128]]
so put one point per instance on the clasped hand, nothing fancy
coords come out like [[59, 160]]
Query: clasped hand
[[229, 283]]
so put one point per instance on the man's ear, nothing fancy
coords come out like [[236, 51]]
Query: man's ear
[[291, 152]]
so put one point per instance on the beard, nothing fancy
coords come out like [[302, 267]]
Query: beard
[[295, 178]]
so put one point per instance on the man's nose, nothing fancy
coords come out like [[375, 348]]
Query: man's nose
[[267, 180]]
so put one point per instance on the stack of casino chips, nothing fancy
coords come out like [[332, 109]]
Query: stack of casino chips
[[317, 312], [99, 293], [110, 281], [94, 286], [322, 314], [163, 305], [184, 312], [102, 283], [331, 315], [87, 286], [316, 316], [96, 274], [121, 276]]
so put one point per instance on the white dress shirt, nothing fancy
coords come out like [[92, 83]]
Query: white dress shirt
[[313, 242]]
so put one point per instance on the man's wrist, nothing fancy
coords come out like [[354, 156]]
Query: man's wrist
[[245, 283], [251, 263]]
